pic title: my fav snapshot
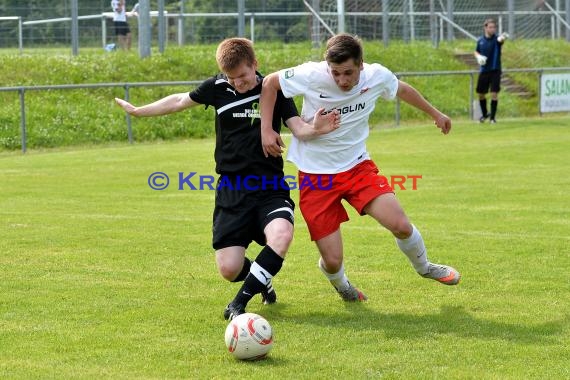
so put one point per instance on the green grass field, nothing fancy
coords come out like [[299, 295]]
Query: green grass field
[[102, 277]]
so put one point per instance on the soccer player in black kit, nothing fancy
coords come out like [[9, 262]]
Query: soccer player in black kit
[[251, 202], [488, 56]]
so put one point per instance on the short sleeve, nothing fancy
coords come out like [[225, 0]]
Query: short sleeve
[[295, 80], [204, 94], [387, 81]]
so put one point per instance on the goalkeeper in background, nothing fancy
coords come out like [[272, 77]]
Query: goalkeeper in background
[[488, 55]]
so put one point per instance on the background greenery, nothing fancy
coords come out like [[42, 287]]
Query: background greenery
[[64, 117], [102, 277]]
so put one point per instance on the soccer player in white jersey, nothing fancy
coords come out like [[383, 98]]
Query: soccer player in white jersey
[[345, 83], [122, 29]]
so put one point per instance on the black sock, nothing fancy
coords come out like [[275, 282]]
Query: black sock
[[494, 104], [244, 270], [483, 103], [267, 264]]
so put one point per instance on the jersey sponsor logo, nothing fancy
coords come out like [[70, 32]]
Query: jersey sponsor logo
[[348, 109], [289, 73], [251, 113]]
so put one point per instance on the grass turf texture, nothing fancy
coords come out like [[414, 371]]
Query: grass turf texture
[[104, 278], [70, 117]]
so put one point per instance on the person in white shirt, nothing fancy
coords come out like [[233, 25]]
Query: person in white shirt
[[339, 160], [122, 29]]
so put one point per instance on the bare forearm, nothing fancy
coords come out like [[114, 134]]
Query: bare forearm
[[167, 105], [411, 96], [301, 130]]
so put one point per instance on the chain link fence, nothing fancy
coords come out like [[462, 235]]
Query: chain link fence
[[293, 21]]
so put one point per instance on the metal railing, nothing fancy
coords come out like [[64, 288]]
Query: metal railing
[[472, 74], [20, 30], [127, 86]]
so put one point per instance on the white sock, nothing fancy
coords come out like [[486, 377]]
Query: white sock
[[414, 248], [338, 279]]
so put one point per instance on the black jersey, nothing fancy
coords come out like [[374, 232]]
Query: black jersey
[[238, 123], [490, 47]]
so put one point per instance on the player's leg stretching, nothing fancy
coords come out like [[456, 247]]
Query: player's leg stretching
[[331, 265], [232, 263], [234, 266], [279, 234], [388, 212], [323, 213]]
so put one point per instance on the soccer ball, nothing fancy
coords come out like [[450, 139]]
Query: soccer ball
[[249, 337]]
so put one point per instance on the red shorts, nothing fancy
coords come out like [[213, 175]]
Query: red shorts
[[321, 195]]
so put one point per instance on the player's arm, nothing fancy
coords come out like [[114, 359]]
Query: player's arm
[[480, 58], [411, 96], [270, 140], [167, 105], [322, 123]]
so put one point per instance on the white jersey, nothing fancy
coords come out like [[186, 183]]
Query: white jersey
[[118, 14], [344, 148]]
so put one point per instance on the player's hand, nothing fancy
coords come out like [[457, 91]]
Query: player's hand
[[504, 36], [325, 122], [481, 60], [271, 142], [128, 107], [443, 122]]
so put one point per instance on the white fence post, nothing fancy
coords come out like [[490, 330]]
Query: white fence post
[[385, 23], [20, 37], [511, 10], [341, 15], [74, 28], [144, 28], [241, 18]]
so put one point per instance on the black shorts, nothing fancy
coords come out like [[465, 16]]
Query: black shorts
[[121, 28], [240, 216], [490, 79]]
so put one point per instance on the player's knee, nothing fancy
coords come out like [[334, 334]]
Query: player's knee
[[279, 238], [228, 270], [332, 263], [402, 228]]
